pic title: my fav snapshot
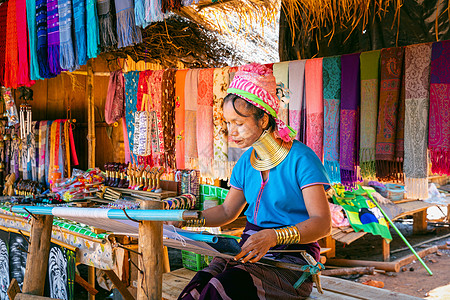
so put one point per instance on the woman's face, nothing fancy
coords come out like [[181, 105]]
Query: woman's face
[[244, 131]]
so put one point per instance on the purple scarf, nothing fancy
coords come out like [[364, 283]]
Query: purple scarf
[[350, 96], [53, 36]]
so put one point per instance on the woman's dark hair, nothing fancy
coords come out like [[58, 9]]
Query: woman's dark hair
[[256, 112]]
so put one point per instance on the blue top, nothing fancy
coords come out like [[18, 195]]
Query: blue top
[[279, 201]]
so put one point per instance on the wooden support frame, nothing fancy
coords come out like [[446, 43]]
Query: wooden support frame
[[386, 250], [91, 116], [37, 260], [420, 222], [328, 242]]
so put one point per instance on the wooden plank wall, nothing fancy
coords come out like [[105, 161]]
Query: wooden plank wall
[[52, 99]]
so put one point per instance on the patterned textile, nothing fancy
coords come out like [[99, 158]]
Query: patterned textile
[[297, 89], [170, 5], [370, 65], [314, 105], [180, 81], [256, 84], [53, 36], [11, 52], [23, 76], [220, 85], [79, 17], [332, 101], [131, 86], [93, 36], [281, 73], [439, 118], [3, 15], [115, 97], [168, 117], [143, 89], [157, 132], [388, 164], [127, 32], [205, 125], [190, 121], [108, 40], [227, 279], [67, 59], [349, 125], [32, 36]]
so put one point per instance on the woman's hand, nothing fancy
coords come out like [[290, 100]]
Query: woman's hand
[[257, 246], [177, 224]]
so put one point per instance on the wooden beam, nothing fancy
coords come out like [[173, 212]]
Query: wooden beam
[[420, 222], [151, 256], [386, 250], [166, 262], [119, 285], [32, 297], [91, 114], [91, 280], [37, 259], [328, 242], [80, 280], [380, 265]]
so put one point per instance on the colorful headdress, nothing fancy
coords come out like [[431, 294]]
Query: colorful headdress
[[256, 84]]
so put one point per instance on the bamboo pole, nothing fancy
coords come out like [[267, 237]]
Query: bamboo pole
[[37, 259], [151, 256], [91, 280], [91, 116]]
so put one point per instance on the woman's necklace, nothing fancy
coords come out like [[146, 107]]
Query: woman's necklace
[[271, 152]]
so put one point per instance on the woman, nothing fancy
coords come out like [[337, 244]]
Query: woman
[[282, 181]]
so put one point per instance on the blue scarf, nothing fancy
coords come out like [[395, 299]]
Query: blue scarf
[[41, 28], [93, 38], [67, 57], [32, 35], [332, 101], [79, 13], [127, 32], [108, 40], [131, 87]]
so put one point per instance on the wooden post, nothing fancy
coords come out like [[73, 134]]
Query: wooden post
[[37, 259], [386, 250], [91, 115], [420, 222], [151, 258], [328, 242], [91, 280]]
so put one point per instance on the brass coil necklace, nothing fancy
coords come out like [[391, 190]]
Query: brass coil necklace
[[271, 152]]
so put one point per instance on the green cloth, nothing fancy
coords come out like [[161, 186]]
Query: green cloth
[[370, 69], [362, 213]]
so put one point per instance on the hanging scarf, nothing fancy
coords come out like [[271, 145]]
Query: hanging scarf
[[281, 73], [3, 22], [47, 151], [67, 59], [127, 32], [180, 81], [41, 27], [297, 88], [439, 118], [66, 147], [32, 150], [139, 13], [32, 37], [108, 40], [153, 11], [126, 141], [53, 36], [73, 151], [370, 65], [349, 125], [190, 121], [11, 53], [93, 37], [23, 76], [42, 148], [168, 116], [388, 167], [205, 125], [131, 86], [332, 101], [158, 147], [314, 105], [142, 88], [79, 17], [115, 98], [220, 86]]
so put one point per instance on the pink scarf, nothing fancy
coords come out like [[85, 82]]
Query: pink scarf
[[180, 81], [115, 98], [190, 121], [205, 125], [314, 105], [23, 76]]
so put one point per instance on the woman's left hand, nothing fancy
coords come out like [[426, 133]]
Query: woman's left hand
[[257, 246]]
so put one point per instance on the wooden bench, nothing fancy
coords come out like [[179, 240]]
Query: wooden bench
[[334, 288]]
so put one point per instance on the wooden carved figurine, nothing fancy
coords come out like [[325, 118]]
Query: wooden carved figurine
[[160, 171], [9, 182]]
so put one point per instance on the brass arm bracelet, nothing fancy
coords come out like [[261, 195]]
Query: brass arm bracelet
[[196, 222], [287, 235]]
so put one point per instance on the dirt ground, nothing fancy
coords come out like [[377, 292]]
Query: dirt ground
[[413, 279]]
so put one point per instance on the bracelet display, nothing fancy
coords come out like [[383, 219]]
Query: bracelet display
[[288, 235], [200, 222]]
